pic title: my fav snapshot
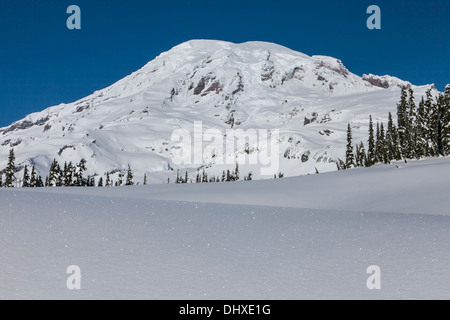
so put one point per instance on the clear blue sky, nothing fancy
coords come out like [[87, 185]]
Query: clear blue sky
[[42, 63]]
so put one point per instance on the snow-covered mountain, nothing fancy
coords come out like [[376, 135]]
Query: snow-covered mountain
[[253, 85]]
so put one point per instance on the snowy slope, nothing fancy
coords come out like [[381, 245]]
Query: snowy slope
[[253, 85], [133, 244], [416, 187]]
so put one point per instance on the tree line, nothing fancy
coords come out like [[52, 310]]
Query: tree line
[[421, 131], [69, 175], [74, 175], [227, 176]]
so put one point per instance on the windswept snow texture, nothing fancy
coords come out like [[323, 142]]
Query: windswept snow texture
[[144, 243]]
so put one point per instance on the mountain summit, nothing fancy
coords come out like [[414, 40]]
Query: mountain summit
[[253, 85]]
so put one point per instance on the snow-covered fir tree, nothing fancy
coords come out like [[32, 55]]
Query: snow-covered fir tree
[[371, 156], [446, 122], [108, 180], [349, 155], [33, 178], [129, 180], [403, 120], [80, 180], [26, 178], [54, 174], [384, 146], [10, 170]]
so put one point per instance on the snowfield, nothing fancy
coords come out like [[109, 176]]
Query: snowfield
[[309, 237]]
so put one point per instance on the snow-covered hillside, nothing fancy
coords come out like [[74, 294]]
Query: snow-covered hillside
[[253, 85], [307, 237]]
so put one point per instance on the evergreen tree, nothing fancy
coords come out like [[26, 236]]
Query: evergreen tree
[[371, 158], [178, 179], [440, 124], [33, 178], [411, 124], [186, 177], [384, 146], [339, 163], [228, 176], [26, 178], [349, 156], [431, 127], [39, 182], [129, 181], [403, 121], [10, 170], [64, 174], [90, 181], [363, 155], [446, 122], [68, 173], [392, 140], [389, 143], [80, 181], [1, 179], [357, 156], [378, 146], [60, 180], [236, 172], [420, 131], [100, 182], [360, 156], [396, 144], [204, 177], [145, 179], [409, 143], [54, 174], [224, 176], [108, 182]]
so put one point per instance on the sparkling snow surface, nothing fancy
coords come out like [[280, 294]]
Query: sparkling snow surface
[[306, 237]]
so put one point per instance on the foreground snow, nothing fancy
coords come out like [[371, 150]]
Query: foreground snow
[[139, 243]]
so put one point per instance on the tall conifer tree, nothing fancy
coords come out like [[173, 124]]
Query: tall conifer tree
[[26, 178], [446, 122], [10, 170], [129, 180], [349, 156], [371, 158], [402, 121], [33, 178]]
